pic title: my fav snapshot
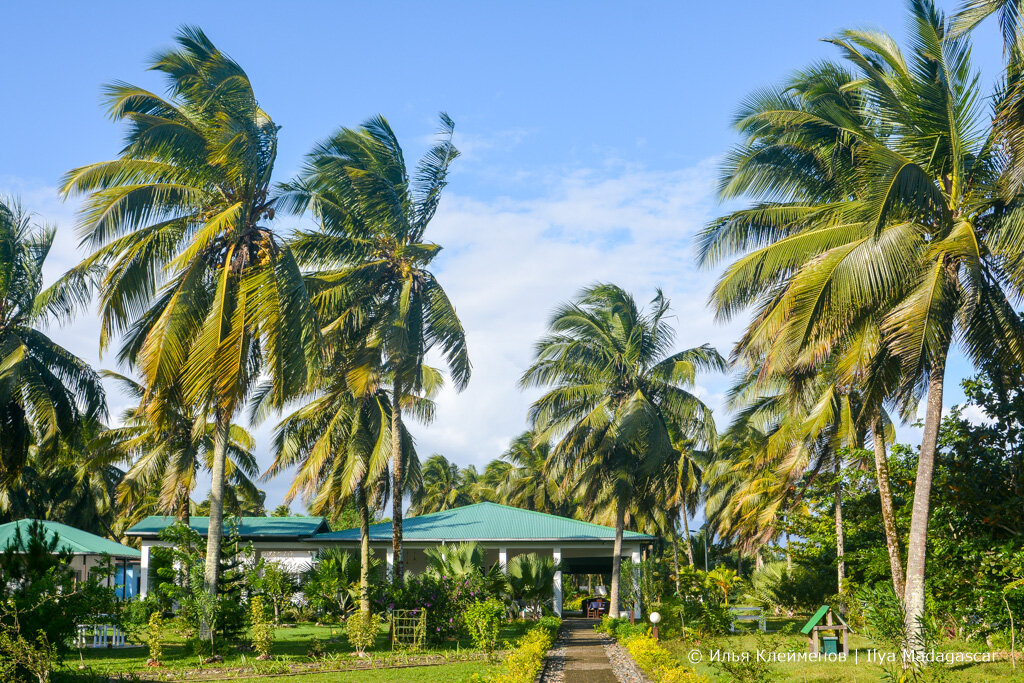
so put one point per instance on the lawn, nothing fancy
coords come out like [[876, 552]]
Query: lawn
[[451, 662], [855, 669]]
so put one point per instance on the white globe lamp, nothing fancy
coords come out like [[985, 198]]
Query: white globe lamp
[[655, 618]]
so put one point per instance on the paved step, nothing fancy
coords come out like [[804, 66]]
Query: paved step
[[585, 658]]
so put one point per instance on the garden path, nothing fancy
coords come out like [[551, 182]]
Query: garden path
[[586, 660]]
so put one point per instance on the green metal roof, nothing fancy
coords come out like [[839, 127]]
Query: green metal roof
[[488, 522], [69, 538], [249, 528]]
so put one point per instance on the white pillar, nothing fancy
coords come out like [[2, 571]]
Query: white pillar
[[391, 562], [144, 572], [558, 582], [636, 580], [503, 560]]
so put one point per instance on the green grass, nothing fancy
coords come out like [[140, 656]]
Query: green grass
[[449, 673], [289, 652]]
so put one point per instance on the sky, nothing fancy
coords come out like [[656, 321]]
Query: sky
[[591, 134]]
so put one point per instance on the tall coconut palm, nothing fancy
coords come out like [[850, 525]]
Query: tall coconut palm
[[614, 387], [340, 445], [166, 454], [884, 198], [371, 251], [445, 485], [203, 291], [45, 391], [528, 483], [1008, 13], [68, 487]]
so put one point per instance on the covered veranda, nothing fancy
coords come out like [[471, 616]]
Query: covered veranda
[[502, 532]]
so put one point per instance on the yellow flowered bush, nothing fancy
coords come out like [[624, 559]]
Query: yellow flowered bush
[[657, 662]]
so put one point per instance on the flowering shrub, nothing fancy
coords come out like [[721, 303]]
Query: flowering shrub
[[446, 600], [657, 662]]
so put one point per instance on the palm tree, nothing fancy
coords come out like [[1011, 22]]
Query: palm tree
[[725, 580], [339, 444], [46, 393], [205, 294], [166, 455], [528, 483], [457, 560], [973, 12], [371, 249], [615, 388], [495, 474], [68, 486], [444, 485], [531, 579], [885, 198]]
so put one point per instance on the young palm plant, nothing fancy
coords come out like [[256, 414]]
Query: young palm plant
[[370, 253], [204, 293], [615, 386]]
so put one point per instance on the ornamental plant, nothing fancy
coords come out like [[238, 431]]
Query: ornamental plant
[[445, 599], [154, 632], [261, 629], [361, 629], [483, 620], [657, 662]]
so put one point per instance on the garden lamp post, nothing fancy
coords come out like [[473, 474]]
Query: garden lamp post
[[655, 618]]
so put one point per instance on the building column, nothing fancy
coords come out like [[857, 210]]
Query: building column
[[636, 581], [390, 563], [558, 582], [503, 560], [144, 571]]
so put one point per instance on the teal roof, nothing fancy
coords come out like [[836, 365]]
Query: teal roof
[[69, 538], [487, 522], [249, 528]]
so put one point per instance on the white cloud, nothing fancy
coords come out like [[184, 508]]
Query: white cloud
[[506, 264]]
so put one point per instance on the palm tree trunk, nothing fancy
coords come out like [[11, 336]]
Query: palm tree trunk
[[620, 523], [675, 560], [840, 539], [689, 546], [398, 570], [789, 555], [364, 550], [892, 541], [215, 531], [918, 539], [186, 519]]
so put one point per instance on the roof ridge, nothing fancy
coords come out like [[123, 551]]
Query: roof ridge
[[546, 514]]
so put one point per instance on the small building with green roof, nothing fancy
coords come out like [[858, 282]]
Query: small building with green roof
[[503, 532], [281, 539], [88, 550]]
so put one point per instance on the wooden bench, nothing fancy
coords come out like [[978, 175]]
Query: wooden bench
[[748, 614]]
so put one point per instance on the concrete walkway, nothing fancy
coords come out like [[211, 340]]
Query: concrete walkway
[[585, 658]]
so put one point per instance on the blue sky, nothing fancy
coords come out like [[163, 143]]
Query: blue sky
[[590, 132]]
